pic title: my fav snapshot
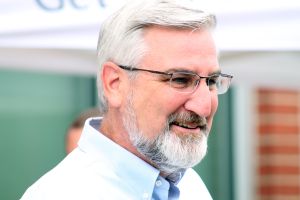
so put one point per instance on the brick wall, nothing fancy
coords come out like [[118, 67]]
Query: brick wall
[[278, 127]]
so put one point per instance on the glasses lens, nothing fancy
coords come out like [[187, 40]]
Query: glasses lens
[[188, 82], [213, 82], [184, 82], [223, 84]]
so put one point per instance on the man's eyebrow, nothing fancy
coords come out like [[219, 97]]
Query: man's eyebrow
[[217, 72], [180, 70]]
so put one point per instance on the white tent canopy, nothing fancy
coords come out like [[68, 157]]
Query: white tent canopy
[[61, 35], [70, 24]]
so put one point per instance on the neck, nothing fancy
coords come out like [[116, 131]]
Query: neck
[[112, 127]]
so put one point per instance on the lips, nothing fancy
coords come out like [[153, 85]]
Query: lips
[[184, 125], [194, 123], [188, 120]]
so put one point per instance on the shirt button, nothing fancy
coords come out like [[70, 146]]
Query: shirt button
[[158, 183], [145, 196]]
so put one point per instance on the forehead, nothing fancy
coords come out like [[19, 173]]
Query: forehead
[[180, 48]]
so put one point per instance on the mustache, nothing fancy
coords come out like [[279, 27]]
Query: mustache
[[188, 117]]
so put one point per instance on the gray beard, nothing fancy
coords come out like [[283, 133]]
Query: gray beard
[[169, 152]]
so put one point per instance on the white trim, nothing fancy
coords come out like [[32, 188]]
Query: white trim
[[244, 143], [80, 62], [278, 69]]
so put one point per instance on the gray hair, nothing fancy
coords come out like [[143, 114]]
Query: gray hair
[[121, 35]]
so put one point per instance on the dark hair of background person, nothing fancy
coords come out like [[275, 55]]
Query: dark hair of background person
[[74, 131]]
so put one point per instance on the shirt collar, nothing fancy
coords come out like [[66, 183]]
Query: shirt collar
[[176, 176], [137, 173]]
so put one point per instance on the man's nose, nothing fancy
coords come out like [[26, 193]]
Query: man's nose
[[200, 100]]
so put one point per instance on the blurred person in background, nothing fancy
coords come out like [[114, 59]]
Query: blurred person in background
[[158, 83], [74, 131]]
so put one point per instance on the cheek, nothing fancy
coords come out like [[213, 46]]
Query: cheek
[[173, 101], [161, 106], [152, 106]]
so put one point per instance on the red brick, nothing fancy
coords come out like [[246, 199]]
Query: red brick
[[284, 109], [277, 91], [279, 170], [278, 129], [288, 190], [279, 150]]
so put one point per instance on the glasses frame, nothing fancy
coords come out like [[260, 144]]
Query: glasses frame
[[129, 68]]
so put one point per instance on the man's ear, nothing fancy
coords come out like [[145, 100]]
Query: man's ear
[[112, 80]]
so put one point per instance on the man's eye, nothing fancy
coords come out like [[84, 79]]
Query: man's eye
[[181, 81], [212, 81]]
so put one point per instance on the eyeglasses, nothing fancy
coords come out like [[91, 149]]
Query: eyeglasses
[[188, 82]]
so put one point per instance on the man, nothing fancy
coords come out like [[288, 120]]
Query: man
[[74, 131], [158, 83]]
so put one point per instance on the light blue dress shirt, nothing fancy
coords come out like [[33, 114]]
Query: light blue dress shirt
[[101, 169]]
